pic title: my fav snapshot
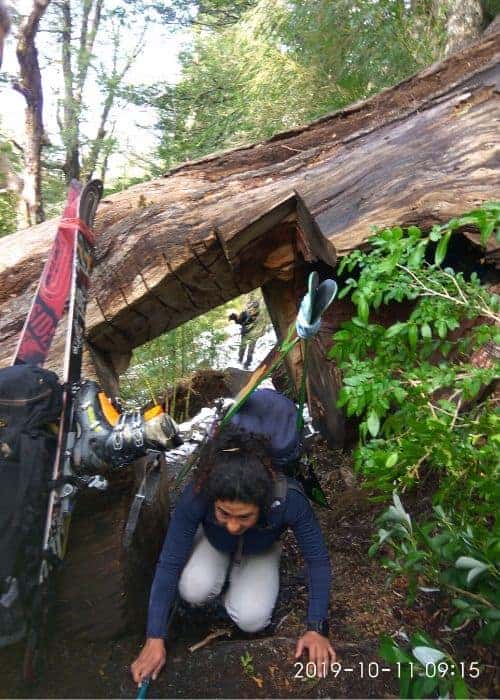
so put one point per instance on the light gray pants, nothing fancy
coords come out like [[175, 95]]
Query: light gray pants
[[253, 582]]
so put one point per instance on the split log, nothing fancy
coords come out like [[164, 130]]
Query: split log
[[171, 249]]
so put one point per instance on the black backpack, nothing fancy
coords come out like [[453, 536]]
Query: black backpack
[[30, 401]]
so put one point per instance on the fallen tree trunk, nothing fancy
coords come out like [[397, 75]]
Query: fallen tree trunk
[[171, 249]]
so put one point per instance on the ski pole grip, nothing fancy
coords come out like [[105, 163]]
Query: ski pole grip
[[81, 225]]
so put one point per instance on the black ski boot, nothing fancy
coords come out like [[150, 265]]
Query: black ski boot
[[106, 438]]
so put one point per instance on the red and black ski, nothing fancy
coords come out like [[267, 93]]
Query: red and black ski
[[53, 290], [81, 267], [64, 284]]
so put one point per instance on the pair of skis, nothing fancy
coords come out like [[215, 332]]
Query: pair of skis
[[64, 284]]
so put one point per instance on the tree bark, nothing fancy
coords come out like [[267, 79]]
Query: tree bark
[[464, 22], [171, 249], [71, 124], [75, 70], [4, 27], [30, 86]]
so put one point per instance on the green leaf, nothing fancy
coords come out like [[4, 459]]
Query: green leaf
[[391, 652], [486, 230], [428, 685], [469, 563], [344, 292], [435, 233], [405, 678], [342, 265], [428, 655], [416, 256], [442, 248], [341, 335], [373, 423], [413, 336], [425, 330], [363, 309], [460, 690], [492, 614], [395, 329], [377, 300], [419, 687], [414, 232], [442, 328], [391, 460]]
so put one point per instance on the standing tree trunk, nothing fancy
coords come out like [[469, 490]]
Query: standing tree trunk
[[70, 126], [464, 22], [4, 27], [30, 86], [74, 75]]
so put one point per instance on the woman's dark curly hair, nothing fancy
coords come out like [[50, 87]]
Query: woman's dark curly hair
[[235, 466]]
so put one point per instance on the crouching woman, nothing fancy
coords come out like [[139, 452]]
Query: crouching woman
[[226, 528]]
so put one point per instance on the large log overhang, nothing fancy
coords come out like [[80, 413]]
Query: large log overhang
[[171, 249]]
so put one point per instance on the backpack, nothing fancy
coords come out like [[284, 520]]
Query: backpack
[[30, 400], [269, 413], [272, 415]]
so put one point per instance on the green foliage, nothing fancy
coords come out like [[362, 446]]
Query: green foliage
[[174, 355], [426, 422], [275, 65], [247, 664], [443, 554], [408, 382], [426, 671], [9, 162], [8, 213]]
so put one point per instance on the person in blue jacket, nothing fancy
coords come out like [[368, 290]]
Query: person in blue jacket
[[224, 535]]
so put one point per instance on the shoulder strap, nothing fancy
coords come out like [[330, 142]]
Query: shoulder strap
[[282, 485]]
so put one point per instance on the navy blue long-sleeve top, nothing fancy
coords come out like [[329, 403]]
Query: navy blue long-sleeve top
[[193, 509]]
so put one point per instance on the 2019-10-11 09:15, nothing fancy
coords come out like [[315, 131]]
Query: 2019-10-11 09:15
[[373, 669]]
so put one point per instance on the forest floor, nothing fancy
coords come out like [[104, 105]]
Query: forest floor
[[263, 666]]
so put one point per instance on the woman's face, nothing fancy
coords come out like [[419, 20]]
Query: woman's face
[[236, 516]]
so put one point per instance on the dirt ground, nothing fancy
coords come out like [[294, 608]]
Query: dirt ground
[[236, 665]]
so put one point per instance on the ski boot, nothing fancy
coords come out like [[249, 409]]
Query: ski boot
[[107, 438]]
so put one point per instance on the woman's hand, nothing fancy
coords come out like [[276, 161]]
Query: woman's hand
[[150, 661], [321, 652]]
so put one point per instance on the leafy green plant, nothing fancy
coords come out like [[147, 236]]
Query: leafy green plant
[[441, 555], [247, 664], [410, 382], [429, 421], [8, 213], [173, 356], [425, 671]]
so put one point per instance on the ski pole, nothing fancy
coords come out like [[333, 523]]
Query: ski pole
[[143, 688], [144, 684]]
